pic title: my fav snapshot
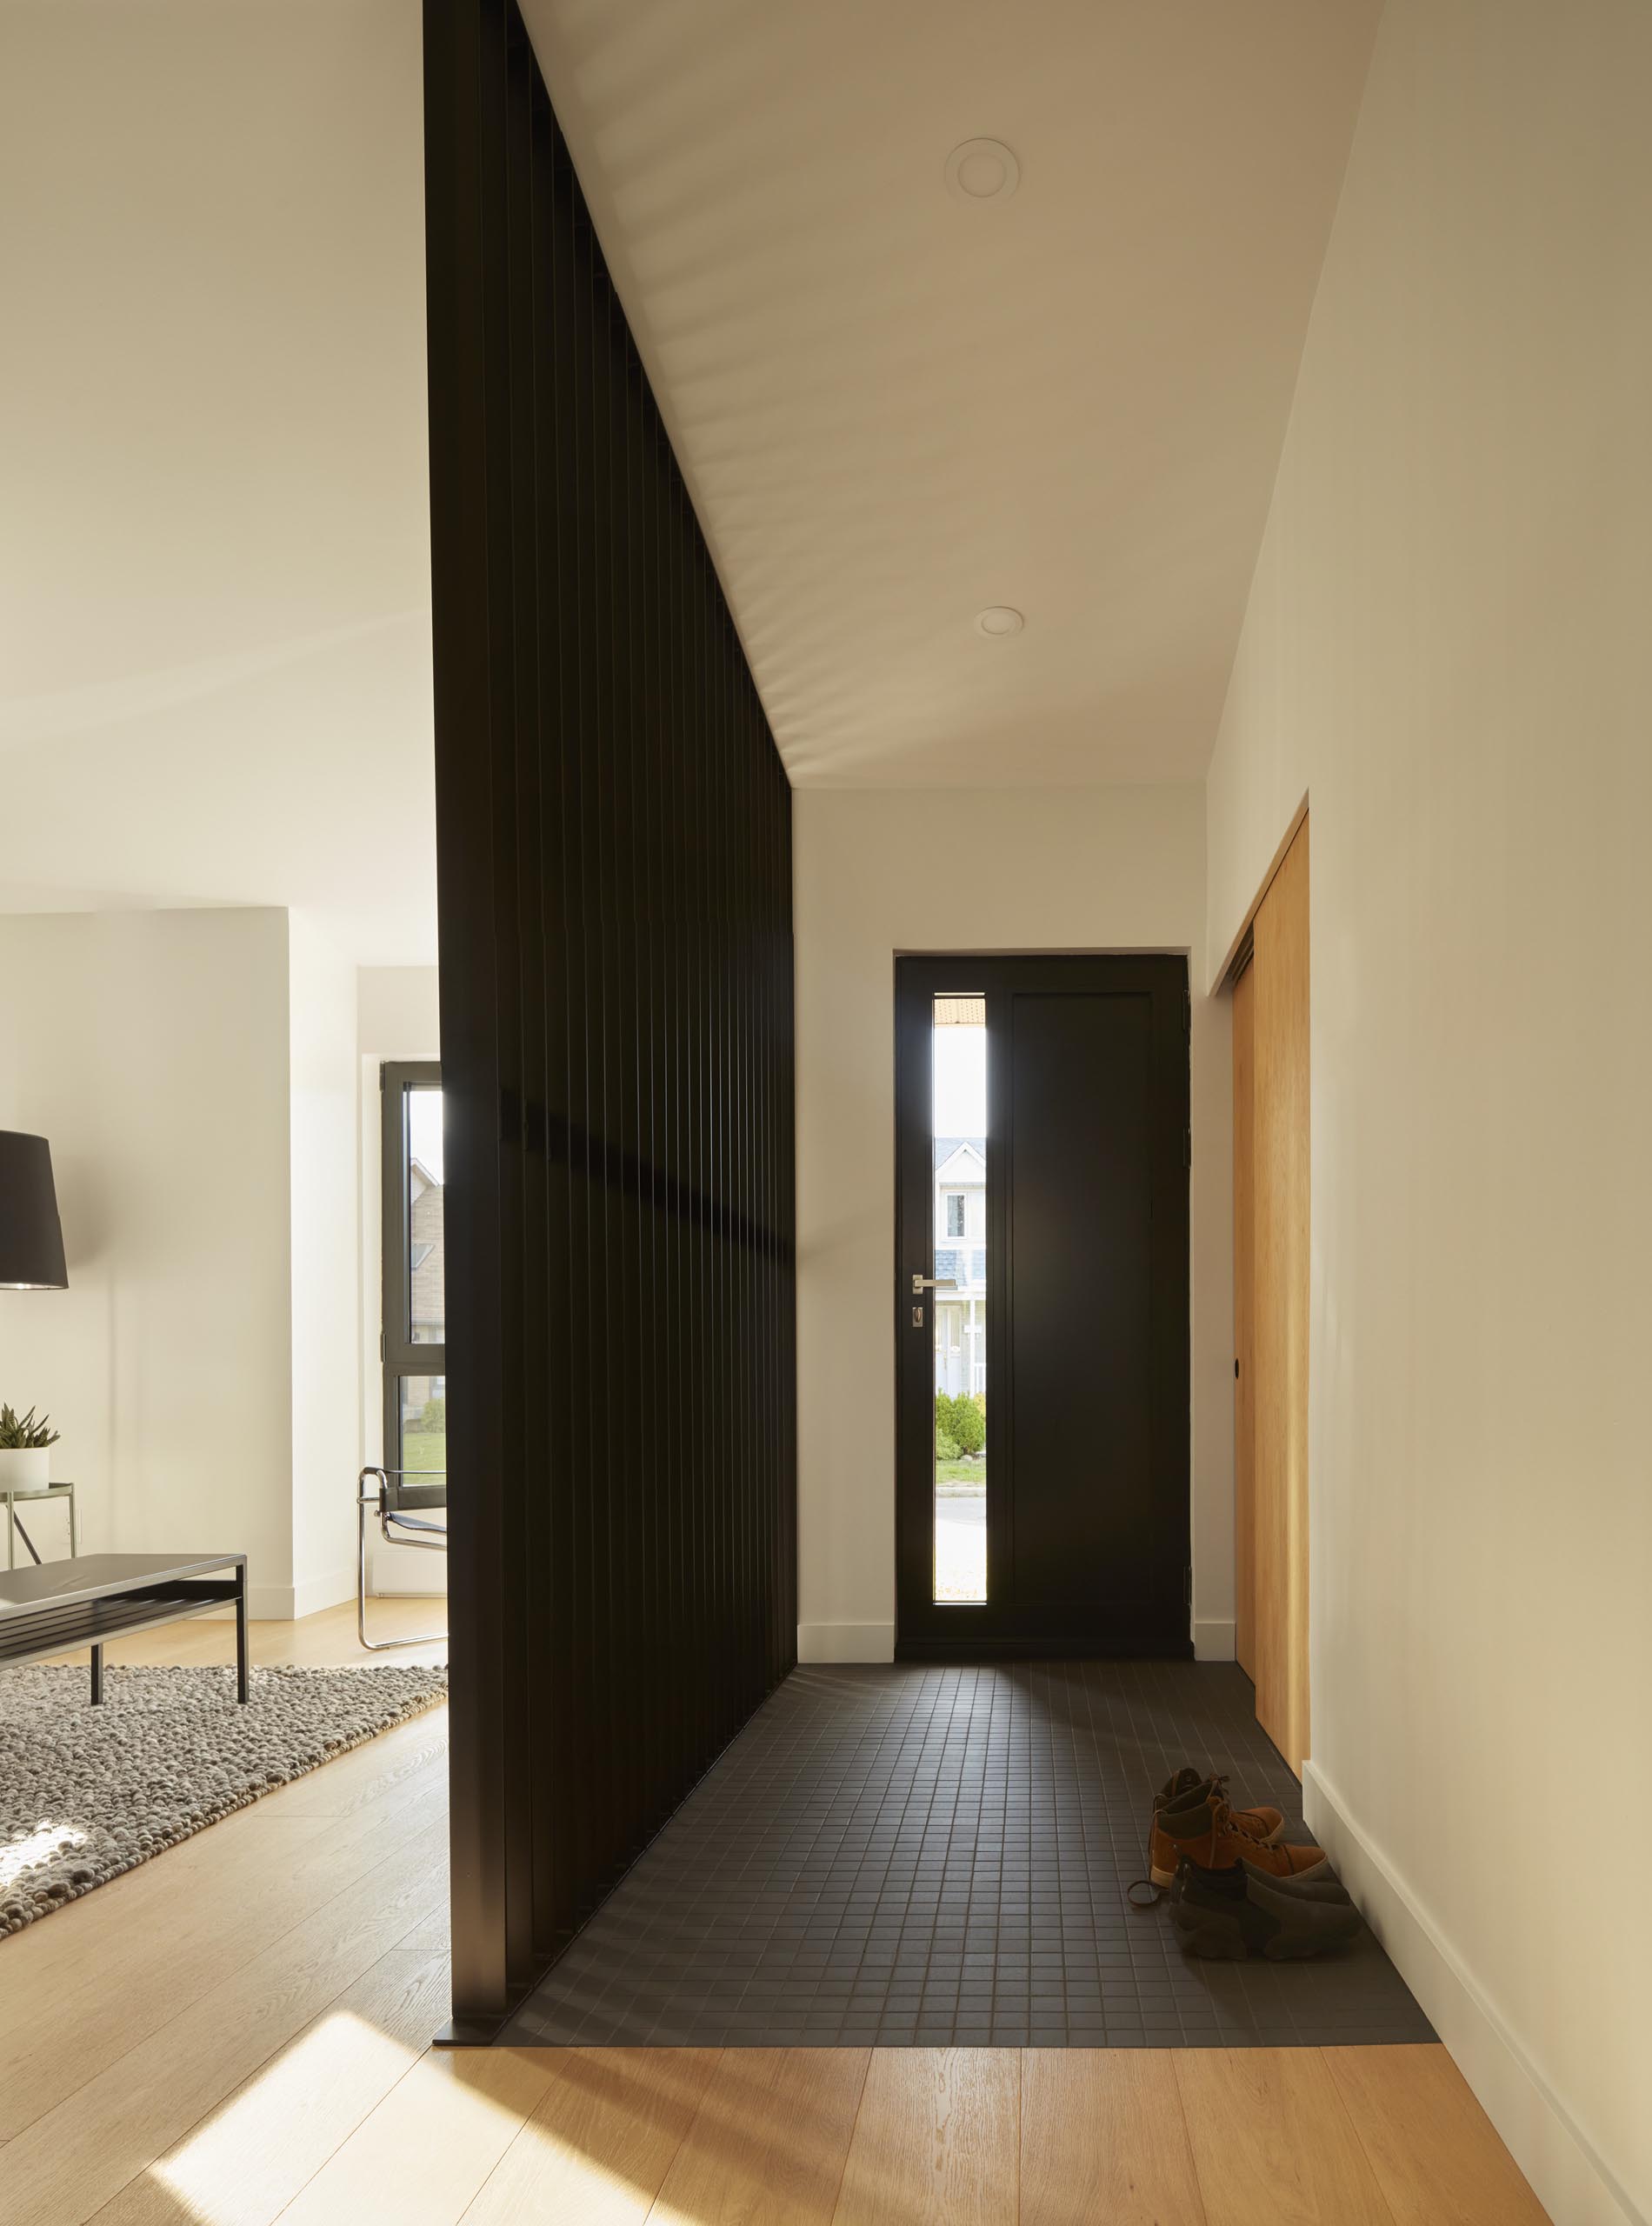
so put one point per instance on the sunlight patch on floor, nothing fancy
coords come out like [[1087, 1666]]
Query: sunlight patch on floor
[[236, 2164], [545, 2176], [46, 1840]]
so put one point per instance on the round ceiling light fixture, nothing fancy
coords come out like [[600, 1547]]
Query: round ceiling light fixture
[[999, 622], [982, 170]]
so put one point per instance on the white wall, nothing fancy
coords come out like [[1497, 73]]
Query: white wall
[[882, 872], [152, 1049], [1447, 646], [326, 1264], [215, 537], [397, 1010], [196, 1075]]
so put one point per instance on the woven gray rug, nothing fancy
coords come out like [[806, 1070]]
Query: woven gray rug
[[86, 1792]]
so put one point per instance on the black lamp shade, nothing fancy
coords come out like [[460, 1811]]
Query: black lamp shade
[[31, 1236]]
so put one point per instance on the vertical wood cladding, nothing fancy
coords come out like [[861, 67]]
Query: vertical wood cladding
[[615, 869]]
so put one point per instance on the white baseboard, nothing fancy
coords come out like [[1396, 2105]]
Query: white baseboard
[[846, 1642], [1570, 2177], [314, 1593], [285, 1603], [1212, 1642], [269, 1604]]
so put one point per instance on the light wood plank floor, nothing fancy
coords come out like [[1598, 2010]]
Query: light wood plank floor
[[238, 2032]]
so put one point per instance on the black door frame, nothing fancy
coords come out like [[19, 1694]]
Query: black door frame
[[924, 1630]]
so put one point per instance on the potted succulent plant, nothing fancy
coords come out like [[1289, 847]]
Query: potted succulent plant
[[25, 1451]]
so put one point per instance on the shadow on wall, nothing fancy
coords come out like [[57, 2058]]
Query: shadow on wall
[[86, 1204], [831, 348]]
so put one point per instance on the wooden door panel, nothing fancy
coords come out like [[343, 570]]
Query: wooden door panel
[[1280, 1044], [1245, 1268]]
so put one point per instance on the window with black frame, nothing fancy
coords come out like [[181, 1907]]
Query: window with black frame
[[414, 1321]]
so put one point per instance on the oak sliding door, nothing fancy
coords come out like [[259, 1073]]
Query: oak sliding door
[[1245, 1345], [1271, 1142]]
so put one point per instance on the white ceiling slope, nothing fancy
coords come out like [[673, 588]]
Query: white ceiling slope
[[895, 408]]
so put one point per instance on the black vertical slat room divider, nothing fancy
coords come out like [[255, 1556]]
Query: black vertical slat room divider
[[615, 883]]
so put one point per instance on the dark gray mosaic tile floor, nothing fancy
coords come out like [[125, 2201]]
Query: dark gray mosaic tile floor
[[933, 1857]]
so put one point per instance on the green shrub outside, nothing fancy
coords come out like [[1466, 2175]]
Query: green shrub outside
[[433, 1415], [963, 1419], [946, 1449], [968, 1425]]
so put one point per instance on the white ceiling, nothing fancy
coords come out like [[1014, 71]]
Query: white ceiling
[[214, 655], [895, 408]]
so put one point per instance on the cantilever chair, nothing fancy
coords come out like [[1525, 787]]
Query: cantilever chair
[[395, 1494]]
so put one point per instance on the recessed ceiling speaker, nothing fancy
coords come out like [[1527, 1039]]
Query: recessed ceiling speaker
[[998, 621], [982, 170]]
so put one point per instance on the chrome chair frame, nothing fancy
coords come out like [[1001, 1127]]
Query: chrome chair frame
[[391, 1497]]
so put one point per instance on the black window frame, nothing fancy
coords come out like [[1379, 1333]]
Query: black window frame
[[401, 1356]]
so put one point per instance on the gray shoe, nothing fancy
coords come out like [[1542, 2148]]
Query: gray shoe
[[1311, 1885], [1227, 1915]]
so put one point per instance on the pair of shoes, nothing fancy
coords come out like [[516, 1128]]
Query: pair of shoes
[[1229, 1914], [1193, 1820], [1236, 1889]]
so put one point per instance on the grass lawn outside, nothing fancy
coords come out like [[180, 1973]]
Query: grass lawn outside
[[963, 1476], [423, 1450]]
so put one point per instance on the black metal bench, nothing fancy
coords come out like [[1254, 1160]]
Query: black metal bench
[[64, 1605]]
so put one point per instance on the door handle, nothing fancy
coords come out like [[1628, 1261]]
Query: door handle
[[933, 1282]]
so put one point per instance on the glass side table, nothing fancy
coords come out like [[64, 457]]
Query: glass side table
[[46, 1493]]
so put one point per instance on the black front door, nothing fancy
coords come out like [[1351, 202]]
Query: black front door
[[1042, 1306]]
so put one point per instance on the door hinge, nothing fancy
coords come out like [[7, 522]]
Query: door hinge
[[381, 1344]]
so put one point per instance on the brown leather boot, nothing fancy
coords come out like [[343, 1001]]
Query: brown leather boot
[[1206, 1830], [1262, 1825]]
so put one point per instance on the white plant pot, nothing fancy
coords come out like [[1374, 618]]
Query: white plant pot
[[25, 1468]]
